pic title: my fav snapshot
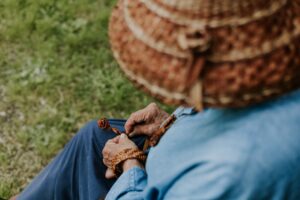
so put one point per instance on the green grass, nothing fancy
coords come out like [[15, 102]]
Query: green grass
[[56, 73]]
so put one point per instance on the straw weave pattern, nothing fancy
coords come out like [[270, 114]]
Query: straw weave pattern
[[247, 61]]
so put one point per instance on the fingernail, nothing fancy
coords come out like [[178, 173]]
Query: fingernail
[[123, 136]]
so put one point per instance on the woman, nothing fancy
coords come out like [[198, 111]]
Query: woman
[[235, 66]]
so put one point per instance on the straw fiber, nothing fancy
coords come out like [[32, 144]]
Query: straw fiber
[[209, 53]]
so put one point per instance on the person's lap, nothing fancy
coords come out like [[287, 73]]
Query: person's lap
[[78, 171]]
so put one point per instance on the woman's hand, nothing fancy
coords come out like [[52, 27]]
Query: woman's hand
[[114, 147], [145, 121]]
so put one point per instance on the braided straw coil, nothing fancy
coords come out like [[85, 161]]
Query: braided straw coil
[[209, 53]]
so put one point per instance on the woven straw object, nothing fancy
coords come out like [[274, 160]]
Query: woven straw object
[[209, 53], [124, 155]]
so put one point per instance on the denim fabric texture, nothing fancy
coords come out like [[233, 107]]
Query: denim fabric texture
[[77, 172]]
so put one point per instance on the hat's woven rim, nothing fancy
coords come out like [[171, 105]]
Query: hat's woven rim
[[177, 98]]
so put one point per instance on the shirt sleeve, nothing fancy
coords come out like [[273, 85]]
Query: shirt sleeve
[[129, 186]]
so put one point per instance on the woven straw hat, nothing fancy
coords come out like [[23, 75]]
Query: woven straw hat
[[209, 53]]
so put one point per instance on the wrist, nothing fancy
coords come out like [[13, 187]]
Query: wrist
[[131, 163]]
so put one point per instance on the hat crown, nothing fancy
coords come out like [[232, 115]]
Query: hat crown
[[209, 53]]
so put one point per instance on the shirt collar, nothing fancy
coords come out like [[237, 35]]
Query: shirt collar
[[184, 111]]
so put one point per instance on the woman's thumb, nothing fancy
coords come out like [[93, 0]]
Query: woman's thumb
[[123, 137], [109, 174], [141, 130]]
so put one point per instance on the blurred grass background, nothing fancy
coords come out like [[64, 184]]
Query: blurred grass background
[[56, 73]]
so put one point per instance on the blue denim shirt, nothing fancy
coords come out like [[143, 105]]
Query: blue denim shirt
[[250, 153]]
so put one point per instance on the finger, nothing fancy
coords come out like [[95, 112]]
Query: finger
[[142, 130], [135, 118], [110, 141], [105, 153], [130, 123], [108, 147], [105, 161], [116, 139], [105, 157], [109, 174], [123, 138]]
